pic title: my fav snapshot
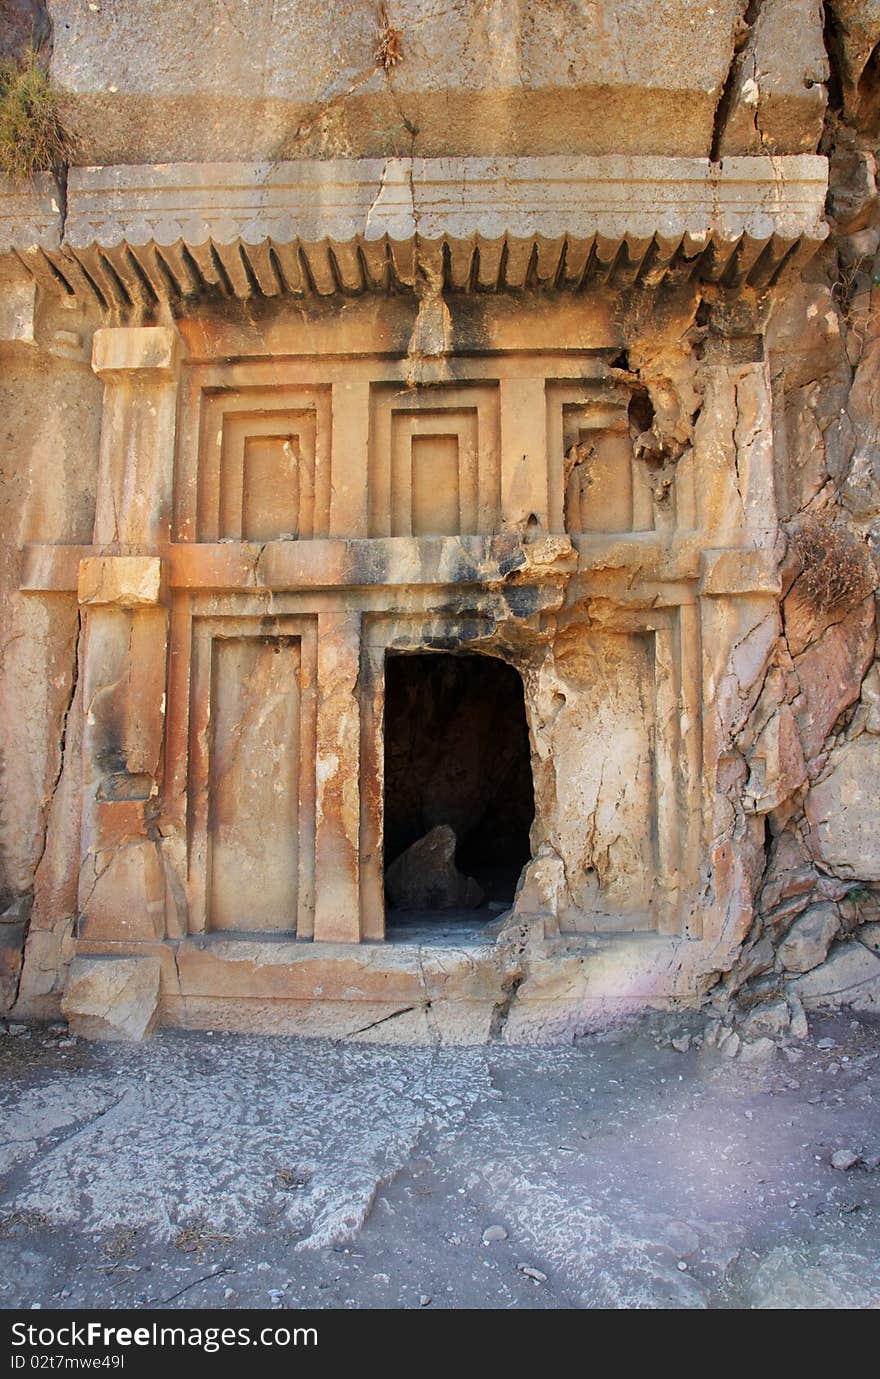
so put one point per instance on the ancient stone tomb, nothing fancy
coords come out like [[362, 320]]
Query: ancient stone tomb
[[416, 552]]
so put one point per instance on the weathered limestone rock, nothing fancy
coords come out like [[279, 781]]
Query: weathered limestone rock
[[807, 942], [776, 99], [123, 580], [263, 80], [112, 998], [799, 1028], [862, 487], [776, 762], [844, 1159], [12, 937], [809, 1279], [805, 342], [842, 810], [830, 673], [18, 300], [850, 976], [23, 23], [869, 935], [790, 878], [130, 871], [856, 34], [425, 876], [542, 887], [757, 1050], [767, 1020], [853, 174]]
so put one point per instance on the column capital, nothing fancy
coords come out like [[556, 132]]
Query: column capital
[[153, 351], [126, 581]]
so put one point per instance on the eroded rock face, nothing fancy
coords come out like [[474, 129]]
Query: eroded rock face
[[257, 80], [425, 877], [807, 942], [849, 977], [23, 24], [776, 94], [854, 39], [842, 810]]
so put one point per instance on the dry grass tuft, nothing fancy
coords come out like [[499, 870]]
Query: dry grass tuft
[[197, 1237], [32, 135], [836, 568], [389, 49]]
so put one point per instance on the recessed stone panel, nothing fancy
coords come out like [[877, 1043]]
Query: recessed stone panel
[[273, 493], [436, 485], [254, 783], [594, 484], [250, 775], [598, 482], [434, 467], [263, 466], [608, 813]]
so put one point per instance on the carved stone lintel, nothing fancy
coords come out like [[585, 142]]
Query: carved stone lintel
[[151, 350]]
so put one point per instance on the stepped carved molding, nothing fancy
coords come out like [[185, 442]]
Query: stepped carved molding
[[134, 235]]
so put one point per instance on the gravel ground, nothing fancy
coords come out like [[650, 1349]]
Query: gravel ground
[[224, 1171]]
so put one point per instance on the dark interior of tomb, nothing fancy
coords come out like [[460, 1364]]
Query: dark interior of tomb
[[457, 753]]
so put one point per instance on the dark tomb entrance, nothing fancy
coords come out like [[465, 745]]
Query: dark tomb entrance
[[459, 801]]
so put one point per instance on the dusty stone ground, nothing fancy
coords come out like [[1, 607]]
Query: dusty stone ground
[[231, 1172]]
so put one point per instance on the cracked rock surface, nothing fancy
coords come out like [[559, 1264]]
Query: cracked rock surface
[[638, 1168]]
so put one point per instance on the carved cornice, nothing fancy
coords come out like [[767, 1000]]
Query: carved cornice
[[30, 214], [136, 234]]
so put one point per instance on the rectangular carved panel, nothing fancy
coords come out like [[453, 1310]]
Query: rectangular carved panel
[[590, 457], [607, 818], [598, 482], [241, 752], [434, 466], [264, 464], [436, 450], [253, 812], [436, 486], [273, 487]]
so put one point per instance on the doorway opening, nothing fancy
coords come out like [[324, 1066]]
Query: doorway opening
[[459, 801]]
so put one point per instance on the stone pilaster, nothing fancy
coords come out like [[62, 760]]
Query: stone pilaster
[[524, 489], [337, 825], [125, 628], [135, 476], [739, 623]]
